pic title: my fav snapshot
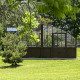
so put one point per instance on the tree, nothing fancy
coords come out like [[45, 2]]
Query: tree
[[28, 27], [11, 18], [71, 20], [57, 9], [70, 25], [14, 49]]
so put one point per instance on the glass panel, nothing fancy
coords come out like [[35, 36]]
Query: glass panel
[[47, 36], [55, 40], [73, 41], [62, 40], [39, 43], [50, 36], [59, 40], [49, 40], [70, 40]]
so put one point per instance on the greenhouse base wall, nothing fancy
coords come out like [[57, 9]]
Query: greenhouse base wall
[[48, 52]]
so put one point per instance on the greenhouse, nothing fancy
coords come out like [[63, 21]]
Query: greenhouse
[[54, 42]]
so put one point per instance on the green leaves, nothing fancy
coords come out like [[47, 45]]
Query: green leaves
[[14, 49], [10, 1], [29, 23], [45, 20], [34, 37], [58, 8], [15, 5]]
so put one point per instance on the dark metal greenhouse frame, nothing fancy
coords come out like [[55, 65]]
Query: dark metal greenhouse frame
[[53, 51]]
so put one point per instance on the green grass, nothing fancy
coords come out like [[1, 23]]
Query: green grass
[[43, 70]]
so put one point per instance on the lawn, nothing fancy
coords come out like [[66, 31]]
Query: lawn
[[42, 70]]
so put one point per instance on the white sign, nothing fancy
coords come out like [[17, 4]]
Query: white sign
[[11, 29]]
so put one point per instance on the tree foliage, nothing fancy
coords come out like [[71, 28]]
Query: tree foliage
[[1, 32], [11, 18], [71, 20], [14, 49], [57, 8], [28, 27]]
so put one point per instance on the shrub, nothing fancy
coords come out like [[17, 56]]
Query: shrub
[[14, 49]]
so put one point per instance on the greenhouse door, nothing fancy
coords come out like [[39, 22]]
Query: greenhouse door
[[59, 39]]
